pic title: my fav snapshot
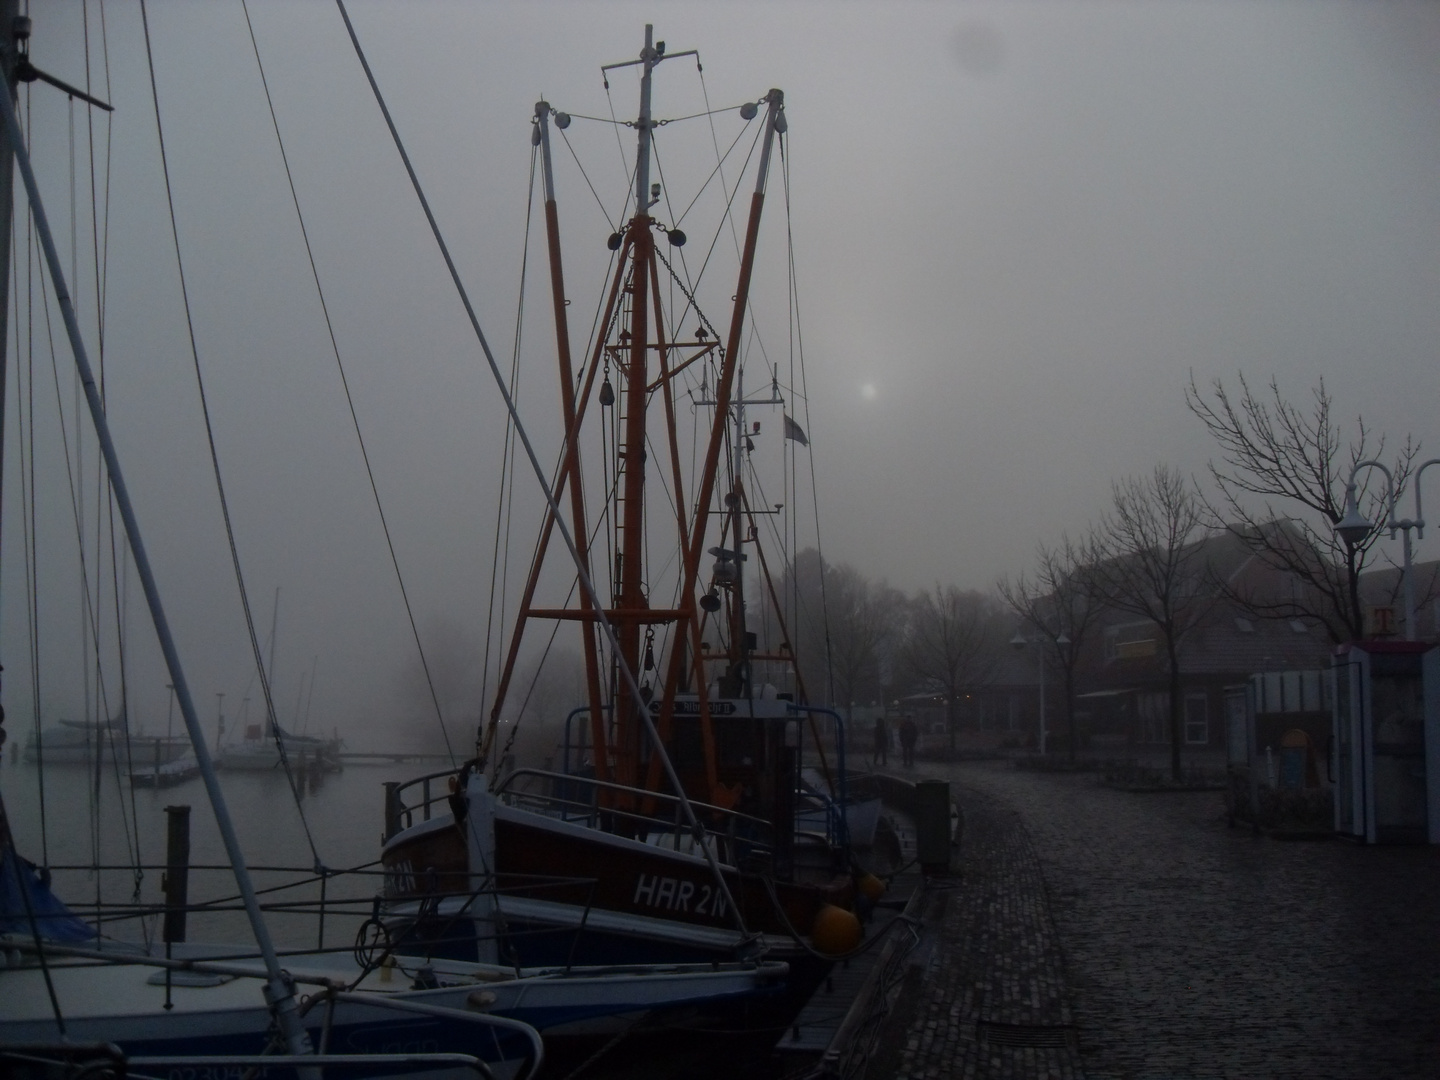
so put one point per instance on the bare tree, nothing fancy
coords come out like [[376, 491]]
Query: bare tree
[[1145, 559], [1059, 602], [856, 628], [953, 641], [1291, 460], [841, 627]]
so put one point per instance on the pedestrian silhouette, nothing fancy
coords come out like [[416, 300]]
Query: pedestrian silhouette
[[909, 733]]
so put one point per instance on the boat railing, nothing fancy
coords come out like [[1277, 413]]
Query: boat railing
[[835, 808], [310, 911], [105, 1060], [652, 817], [400, 815]]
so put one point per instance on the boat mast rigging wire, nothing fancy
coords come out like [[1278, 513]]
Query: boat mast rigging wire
[[279, 993], [263, 672], [350, 404], [627, 676]]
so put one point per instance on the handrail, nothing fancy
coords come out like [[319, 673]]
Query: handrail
[[844, 836], [225, 1061], [445, 1013], [348, 909], [395, 808], [504, 789], [565, 748], [331, 989]]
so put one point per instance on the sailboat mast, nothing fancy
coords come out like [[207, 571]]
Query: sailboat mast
[[10, 31], [278, 990], [270, 665]]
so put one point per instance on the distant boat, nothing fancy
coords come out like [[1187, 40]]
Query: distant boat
[[76, 742], [166, 774], [302, 752]]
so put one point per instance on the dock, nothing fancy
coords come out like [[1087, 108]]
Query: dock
[[856, 982]]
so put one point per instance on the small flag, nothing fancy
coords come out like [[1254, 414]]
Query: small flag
[[795, 431]]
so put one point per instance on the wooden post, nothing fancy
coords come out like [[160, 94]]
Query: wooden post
[[176, 883]]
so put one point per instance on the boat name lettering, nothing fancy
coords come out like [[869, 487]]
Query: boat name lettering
[[400, 878], [692, 708], [207, 1072], [673, 894]]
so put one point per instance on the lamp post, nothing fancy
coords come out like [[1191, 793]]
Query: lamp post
[[1019, 641], [1354, 527]]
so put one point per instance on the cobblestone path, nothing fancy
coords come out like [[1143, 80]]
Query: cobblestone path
[[987, 998], [1190, 949]]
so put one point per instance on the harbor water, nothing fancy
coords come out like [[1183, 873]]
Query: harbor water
[[75, 818]]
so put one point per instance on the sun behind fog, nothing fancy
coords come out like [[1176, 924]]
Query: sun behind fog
[[868, 391]]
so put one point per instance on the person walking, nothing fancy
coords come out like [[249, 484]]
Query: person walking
[[909, 733], [882, 741]]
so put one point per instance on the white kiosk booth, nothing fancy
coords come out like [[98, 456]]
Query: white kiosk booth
[[1385, 750]]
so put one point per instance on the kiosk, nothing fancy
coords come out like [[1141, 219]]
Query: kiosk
[[1385, 746]]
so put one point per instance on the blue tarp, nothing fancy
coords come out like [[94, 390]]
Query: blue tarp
[[53, 920]]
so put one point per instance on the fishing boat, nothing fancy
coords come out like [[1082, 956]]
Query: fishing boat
[[684, 809]]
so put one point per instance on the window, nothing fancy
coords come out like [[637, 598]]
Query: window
[[1197, 721], [1245, 626]]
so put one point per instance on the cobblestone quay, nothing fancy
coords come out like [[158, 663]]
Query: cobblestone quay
[[1176, 947]]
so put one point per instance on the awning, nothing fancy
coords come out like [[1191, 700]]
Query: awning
[[1106, 694]]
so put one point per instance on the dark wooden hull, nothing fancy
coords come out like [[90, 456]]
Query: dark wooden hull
[[576, 895]]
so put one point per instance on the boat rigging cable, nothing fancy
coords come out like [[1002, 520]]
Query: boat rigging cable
[[505, 501], [349, 402], [264, 676], [101, 254], [606, 213], [799, 352], [279, 993], [90, 629], [104, 504], [702, 838], [27, 498]]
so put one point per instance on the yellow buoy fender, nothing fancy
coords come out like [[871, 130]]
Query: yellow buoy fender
[[835, 930], [870, 886]]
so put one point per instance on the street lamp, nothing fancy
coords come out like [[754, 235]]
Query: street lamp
[[1019, 641], [1354, 527]]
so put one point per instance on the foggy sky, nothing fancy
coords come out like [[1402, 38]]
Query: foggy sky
[[1018, 229]]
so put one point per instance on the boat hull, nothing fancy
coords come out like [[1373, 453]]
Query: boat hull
[[623, 900], [125, 1005]]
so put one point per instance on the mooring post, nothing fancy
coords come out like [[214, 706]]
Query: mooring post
[[176, 883], [392, 808], [932, 826]]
